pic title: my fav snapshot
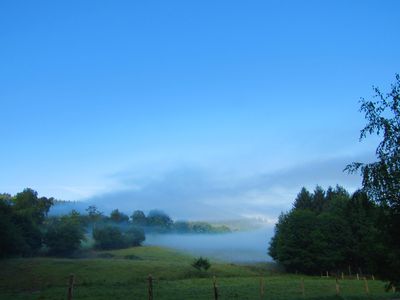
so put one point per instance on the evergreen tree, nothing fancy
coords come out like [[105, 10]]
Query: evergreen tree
[[304, 200], [318, 201]]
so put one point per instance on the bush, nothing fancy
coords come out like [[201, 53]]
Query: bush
[[134, 237], [64, 235], [108, 238], [111, 237], [201, 263]]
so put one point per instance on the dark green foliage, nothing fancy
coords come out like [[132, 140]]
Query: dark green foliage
[[336, 200], [4, 197], [28, 204], [335, 241], [30, 233], [21, 219], [363, 216], [134, 236], [182, 227], [139, 218], [64, 234], [11, 235], [25, 227], [303, 200], [118, 217], [159, 220], [199, 227], [94, 214], [381, 179], [112, 237], [108, 238], [296, 243], [328, 231], [318, 201], [201, 264]]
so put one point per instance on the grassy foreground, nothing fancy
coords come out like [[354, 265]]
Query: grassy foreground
[[122, 274]]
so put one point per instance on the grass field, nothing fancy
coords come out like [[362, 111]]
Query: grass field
[[122, 274]]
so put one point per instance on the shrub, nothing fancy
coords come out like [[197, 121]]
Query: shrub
[[64, 235], [201, 264], [134, 237], [111, 237]]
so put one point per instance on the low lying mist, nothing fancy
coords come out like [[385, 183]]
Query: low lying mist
[[241, 246]]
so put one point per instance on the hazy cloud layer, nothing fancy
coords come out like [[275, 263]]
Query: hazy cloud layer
[[196, 193]]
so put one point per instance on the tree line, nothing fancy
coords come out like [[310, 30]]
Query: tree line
[[26, 229], [157, 221], [330, 231]]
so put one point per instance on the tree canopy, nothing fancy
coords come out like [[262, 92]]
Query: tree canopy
[[328, 231], [381, 179]]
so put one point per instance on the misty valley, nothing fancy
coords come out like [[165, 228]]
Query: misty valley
[[327, 235], [200, 150]]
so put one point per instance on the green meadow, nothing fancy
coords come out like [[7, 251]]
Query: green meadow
[[122, 274]]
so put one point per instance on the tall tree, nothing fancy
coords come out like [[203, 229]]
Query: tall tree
[[94, 214], [303, 200], [297, 242], [381, 179], [318, 201], [139, 218], [28, 203], [118, 217], [22, 217]]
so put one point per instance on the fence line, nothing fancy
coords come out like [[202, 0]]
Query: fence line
[[150, 281]]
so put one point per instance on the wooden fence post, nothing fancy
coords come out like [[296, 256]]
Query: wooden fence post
[[303, 293], [366, 285], [358, 277], [327, 274], [337, 287], [150, 287], [71, 286], [373, 277], [393, 289], [342, 276], [215, 288], [261, 288]]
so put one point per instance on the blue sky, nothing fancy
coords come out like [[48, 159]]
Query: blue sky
[[99, 98]]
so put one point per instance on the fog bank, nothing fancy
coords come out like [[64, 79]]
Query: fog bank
[[241, 246]]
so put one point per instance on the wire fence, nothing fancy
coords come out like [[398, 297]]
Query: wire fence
[[258, 288]]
